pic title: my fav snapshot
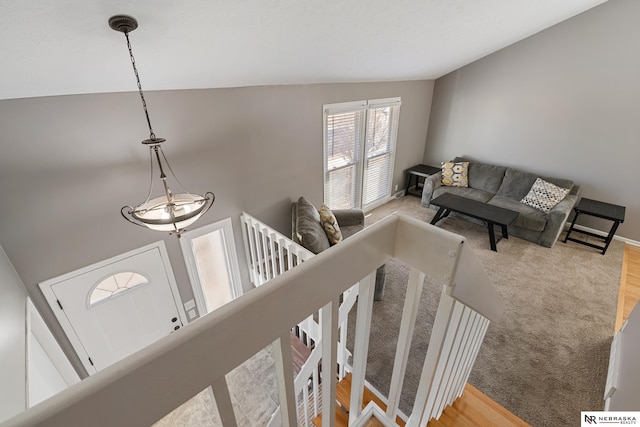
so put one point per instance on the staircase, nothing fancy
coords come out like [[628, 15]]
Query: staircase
[[459, 333], [472, 409]]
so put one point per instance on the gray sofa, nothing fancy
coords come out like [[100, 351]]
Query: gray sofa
[[306, 230], [505, 187]]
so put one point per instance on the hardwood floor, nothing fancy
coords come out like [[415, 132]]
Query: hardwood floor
[[629, 284]]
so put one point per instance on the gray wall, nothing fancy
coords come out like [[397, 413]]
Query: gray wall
[[69, 163], [563, 103], [12, 340]]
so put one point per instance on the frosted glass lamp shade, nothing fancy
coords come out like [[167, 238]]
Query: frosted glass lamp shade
[[176, 215]]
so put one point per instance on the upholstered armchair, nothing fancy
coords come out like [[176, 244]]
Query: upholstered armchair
[[307, 230]]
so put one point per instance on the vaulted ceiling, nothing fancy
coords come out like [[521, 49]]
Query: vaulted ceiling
[[64, 47]]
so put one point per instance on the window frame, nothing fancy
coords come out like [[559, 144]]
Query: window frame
[[361, 158]]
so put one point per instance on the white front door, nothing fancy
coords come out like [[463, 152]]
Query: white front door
[[114, 308]]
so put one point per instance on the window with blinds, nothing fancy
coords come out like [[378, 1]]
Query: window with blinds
[[359, 151]]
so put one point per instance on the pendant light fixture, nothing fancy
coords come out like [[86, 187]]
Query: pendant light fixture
[[168, 212]]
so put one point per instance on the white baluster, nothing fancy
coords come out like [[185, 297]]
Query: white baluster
[[431, 409], [342, 348], [264, 264], [257, 264], [290, 254], [463, 358], [284, 371], [245, 239], [361, 343], [272, 251], [456, 333], [470, 332], [305, 405], [329, 322], [407, 324], [223, 402], [315, 381], [430, 366], [484, 325], [253, 255], [282, 252]]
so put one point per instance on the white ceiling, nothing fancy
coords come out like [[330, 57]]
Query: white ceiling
[[61, 47]]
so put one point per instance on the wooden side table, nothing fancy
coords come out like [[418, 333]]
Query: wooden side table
[[419, 171], [598, 209]]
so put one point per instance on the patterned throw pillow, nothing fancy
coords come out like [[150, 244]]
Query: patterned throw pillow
[[455, 174], [544, 195], [330, 225]]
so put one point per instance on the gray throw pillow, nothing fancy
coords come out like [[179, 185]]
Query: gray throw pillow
[[309, 229]]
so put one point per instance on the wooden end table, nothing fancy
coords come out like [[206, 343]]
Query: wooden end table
[[491, 215], [419, 171], [597, 209]]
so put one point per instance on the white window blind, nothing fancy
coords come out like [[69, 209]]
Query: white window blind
[[359, 152]]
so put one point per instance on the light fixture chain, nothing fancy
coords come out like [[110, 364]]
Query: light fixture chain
[[152, 135]]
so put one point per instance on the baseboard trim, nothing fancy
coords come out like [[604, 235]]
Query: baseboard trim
[[377, 204], [601, 233], [399, 194]]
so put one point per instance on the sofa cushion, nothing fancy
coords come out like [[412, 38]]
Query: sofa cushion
[[455, 174], [516, 184], [544, 195], [309, 229], [349, 230], [349, 217], [469, 193], [528, 217], [330, 224], [484, 176]]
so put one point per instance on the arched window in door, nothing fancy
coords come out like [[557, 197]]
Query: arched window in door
[[115, 284]]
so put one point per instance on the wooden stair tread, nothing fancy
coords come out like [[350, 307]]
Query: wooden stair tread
[[343, 396], [342, 418], [472, 409], [445, 421], [299, 353], [484, 411], [457, 418], [373, 422]]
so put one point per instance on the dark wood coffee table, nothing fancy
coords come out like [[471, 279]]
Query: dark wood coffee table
[[491, 215]]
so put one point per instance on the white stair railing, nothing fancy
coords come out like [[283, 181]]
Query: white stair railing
[[269, 255], [145, 386]]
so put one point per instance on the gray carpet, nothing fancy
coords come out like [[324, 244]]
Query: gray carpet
[[547, 359]]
